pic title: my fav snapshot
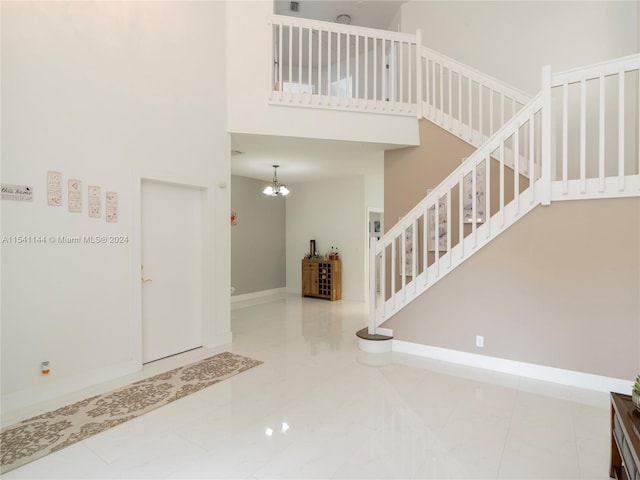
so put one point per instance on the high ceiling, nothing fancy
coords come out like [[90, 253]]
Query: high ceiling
[[364, 13], [306, 159]]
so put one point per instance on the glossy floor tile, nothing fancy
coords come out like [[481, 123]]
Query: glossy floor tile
[[318, 408]]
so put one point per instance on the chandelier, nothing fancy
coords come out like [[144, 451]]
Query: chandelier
[[276, 189]]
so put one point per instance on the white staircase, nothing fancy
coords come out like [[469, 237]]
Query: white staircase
[[577, 139]]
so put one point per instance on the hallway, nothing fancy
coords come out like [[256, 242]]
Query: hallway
[[319, 408]]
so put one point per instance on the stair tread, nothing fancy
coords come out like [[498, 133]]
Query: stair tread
[[364, 334]]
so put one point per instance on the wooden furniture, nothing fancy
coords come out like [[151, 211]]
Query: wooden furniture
[[322, 278], [625, 438]]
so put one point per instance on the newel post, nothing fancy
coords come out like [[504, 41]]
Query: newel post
[[546, 156], [419, 73], [372, 285]]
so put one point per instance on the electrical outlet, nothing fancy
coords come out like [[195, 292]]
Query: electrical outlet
[[479, 341]]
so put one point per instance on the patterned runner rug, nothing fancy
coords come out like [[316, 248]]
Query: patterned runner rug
[[52, 431]]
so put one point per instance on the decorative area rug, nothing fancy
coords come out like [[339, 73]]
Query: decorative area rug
[[52, 431]]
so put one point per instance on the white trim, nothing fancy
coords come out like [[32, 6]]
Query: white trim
[[260, 294], [529, 370], [375, 346], [384, 331], [592, 188], [84, 382], [137, 178]]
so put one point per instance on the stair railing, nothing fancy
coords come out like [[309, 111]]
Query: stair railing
[[597, 135], [330, 65], [477, 201], [541, 154], [343, 67], [464, 101], [579, 138]]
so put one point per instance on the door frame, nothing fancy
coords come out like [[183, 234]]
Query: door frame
[[366, 248], [136, 249]]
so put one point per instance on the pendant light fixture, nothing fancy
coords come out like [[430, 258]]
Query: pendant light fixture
[[276, 189]]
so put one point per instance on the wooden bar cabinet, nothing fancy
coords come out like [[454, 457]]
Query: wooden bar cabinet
[[322, 278]]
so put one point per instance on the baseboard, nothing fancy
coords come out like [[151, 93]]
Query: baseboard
[[529, 370], [254, 295], [49, 389]]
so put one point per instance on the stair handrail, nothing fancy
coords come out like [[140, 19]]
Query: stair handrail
[[537, 113], [341, 27], [519, 95], [439, 93], [538, 183], [408, 225], [463, 168]]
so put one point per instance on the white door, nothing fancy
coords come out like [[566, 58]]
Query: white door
[[172, 274]]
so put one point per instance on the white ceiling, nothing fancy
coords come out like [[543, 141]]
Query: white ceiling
[[301, 159], [363, 13], [306, 159]]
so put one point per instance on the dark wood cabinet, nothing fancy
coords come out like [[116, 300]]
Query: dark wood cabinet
[[322, 278], [625, 438]]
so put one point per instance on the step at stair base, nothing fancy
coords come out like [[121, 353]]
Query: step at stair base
[[373, 343]]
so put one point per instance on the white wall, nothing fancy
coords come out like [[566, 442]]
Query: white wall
[[332, 212], [103, 92], [511, 41], [374, 189], [249, 68]]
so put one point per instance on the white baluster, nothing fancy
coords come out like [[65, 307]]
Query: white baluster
[[290, 59], [459, 104], [601, 134], [319, 67], [280, 61], [502, 182], [309, 64], [565, 137], [357, 67], [474, 206], [583, 135], [621, 130], [460, 216], [375, 71], [487, 209], [470, 110], [532, 168], [449, 225], [516, 170]]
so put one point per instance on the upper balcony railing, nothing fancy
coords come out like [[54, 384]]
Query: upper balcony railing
[[329, 65]]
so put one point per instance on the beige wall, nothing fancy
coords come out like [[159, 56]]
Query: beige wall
[[439, 154], [505, 39], [560, 288], [410, 172]]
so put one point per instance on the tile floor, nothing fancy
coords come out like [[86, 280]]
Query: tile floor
[[320, 409]]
